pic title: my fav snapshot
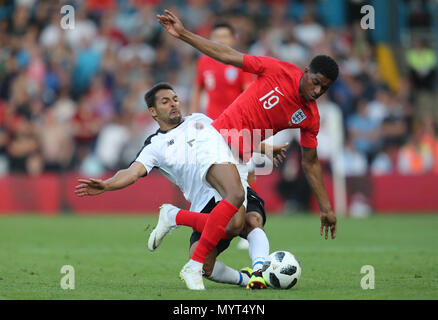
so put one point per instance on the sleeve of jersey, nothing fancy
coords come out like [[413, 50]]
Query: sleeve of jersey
[[259, 65], [308, 138], [147, 158]]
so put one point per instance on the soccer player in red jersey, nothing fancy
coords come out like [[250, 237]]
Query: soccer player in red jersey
[[223, 83], [281, 97]]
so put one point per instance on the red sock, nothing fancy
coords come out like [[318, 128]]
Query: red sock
[[214, 229], [195, 220]]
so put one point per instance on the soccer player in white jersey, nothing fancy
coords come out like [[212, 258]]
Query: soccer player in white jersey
[[193, 155]]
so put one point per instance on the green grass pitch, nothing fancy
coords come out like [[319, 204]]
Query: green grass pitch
[[111, 261]]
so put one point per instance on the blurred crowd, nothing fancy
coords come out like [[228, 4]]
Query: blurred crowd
[[72, 99]]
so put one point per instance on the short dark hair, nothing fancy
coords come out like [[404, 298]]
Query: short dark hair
[[223, 24], [326, 66], [149, 97]]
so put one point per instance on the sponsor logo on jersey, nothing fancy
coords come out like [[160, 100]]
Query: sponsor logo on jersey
[[170, 142], [298, 117], [190, 142], [231, 74]]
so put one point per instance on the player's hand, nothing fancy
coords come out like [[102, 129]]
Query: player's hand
[[328, 221], [90, 187], [276, 153], [171, 23]]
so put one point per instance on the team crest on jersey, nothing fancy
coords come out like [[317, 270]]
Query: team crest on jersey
[[199, 125], [298, 117], [170, 142], [231, 74]]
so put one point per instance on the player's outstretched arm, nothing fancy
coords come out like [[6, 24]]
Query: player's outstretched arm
[[215, 50], [313, 172], [122, 179]]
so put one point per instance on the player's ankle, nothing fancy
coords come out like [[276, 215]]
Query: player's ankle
[[194, 265]]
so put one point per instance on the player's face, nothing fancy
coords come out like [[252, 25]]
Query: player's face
[[167, 108], [223, 35], [313, 85]]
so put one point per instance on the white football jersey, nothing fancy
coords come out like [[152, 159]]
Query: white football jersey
[[184, 154]]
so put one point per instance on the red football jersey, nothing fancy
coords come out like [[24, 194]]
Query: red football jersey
[[272, 101], [223, 84]]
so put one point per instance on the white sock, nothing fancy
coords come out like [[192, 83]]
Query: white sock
[[224, 274], [194, 265], [258, 248]]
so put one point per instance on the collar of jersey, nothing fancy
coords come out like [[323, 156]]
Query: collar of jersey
[[166, 131]]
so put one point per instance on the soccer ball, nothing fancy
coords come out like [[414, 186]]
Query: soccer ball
[[281, 270]]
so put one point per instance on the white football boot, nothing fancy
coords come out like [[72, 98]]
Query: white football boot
[[192, 277], [164, 226]]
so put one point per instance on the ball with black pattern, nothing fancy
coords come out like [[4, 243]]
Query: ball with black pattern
[[281, 270]]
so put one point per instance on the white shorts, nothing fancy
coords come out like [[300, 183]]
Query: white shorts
[[211, 148]]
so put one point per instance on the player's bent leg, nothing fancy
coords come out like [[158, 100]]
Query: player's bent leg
[[225, 179]]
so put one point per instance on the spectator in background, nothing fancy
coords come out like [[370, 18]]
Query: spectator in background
[[137, 49], [51, 34], [418, 14], [18, 24], [378, 108], [257, 11], [114, 136], [309, 31], [416, 156], [429, 138], [355, 162], [291, 50], [342, 93], [24, 148], [84, 32], [364, 132], [99, 99], [56, 142], [394, 127], [86, 66], [64, 108], [421, 61], [10, 72], [86, 125], [385, 161]]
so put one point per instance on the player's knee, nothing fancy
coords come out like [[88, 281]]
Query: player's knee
[[235, 227], [253, 220], [235, 195]]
